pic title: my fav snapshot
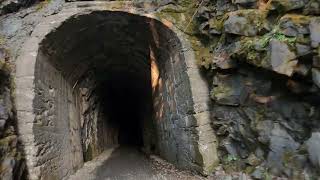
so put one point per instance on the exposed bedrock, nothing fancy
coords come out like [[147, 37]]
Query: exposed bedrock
[[265, 84]]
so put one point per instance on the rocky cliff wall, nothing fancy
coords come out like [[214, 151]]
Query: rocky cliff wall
[[264, 74], [12, 164]]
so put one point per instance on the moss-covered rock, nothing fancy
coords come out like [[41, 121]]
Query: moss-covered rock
[[245, 22], [287, 5], [294, 25], [312, 8]]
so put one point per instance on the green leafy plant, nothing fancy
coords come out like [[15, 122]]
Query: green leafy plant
[[231, 158], [265, 40]]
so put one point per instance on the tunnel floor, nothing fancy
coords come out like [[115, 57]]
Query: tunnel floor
[[128, 163]]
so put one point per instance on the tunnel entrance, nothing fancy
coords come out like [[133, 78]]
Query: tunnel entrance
[[89, 80]]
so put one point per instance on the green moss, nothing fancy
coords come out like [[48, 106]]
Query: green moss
[[2, 40], [296, 19], [187, 3], [249, 170], [231, 163], [220, 92], [267, 175], [182, 15], [217, 22], [5, 142], [43, 4], [88, 155], [287, 158], [231, 158], [284, 38]]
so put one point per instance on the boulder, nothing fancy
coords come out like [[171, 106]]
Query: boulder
[[294, 25], [288, 5], [312, 8], [229, 90], [283, 60], [315, 31], [280, 143], [303, 49], [245, 22]]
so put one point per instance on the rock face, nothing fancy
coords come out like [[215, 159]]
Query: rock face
[[294, 25], [280, 143], [264, 55], [12, 164]]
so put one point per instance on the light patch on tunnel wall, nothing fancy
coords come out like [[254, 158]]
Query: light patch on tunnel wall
[[154, 71]]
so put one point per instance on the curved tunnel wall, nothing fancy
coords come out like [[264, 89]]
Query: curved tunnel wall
[[73, 63]]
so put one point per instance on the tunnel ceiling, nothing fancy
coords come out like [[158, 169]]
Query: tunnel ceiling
[[101, 41]]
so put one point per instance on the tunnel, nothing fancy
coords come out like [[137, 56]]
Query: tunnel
[[100, 79], [105, 69]]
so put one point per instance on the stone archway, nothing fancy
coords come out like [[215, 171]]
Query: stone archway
[[79, 63]]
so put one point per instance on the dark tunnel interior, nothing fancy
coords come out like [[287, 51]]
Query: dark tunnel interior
[[126, 98]]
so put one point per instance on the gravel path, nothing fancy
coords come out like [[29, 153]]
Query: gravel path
[[127, 163]]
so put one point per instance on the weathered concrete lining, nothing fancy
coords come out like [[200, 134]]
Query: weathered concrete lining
[[188, 127]]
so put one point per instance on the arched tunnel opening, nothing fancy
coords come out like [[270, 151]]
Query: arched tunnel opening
[[107, 78], [106, 74]]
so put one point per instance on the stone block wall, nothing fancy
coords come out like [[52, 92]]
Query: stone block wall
[[57, 143]]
